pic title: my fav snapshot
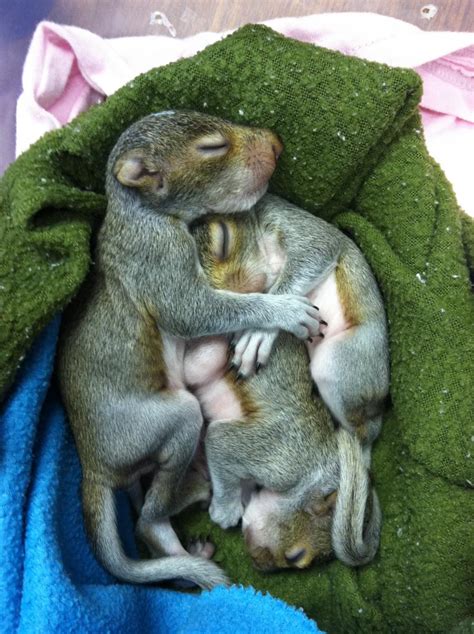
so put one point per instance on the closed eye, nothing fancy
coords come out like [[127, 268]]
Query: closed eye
[[213, 146], [221, 237], [295, 556], [225, 240]]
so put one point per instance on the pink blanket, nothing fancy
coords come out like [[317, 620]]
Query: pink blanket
[[67, 69]]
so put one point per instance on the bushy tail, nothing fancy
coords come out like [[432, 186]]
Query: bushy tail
[[101, 523], [355, 537]]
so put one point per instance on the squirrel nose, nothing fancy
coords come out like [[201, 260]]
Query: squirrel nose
[[293, 558], [277, 147]]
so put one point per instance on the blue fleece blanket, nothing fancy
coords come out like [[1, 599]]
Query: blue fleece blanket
[[49, 578]]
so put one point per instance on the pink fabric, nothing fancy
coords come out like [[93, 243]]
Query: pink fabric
[[67, 69]]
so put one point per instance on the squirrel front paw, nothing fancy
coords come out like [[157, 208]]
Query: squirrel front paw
[[252, 350], [226, 515]]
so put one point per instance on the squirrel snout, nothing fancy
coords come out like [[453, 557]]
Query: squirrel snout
[[264, 154], [277, 147], [268, 145]]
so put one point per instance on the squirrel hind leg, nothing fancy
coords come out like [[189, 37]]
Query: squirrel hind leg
[[355, 399], [160, 537]]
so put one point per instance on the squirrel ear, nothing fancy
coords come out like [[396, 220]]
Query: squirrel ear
[[131, 171], [320, 505]]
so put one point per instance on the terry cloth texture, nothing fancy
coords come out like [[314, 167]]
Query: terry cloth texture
[[49, 580], [355, 155]]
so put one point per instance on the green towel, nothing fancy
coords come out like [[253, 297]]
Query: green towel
[[355, 155]]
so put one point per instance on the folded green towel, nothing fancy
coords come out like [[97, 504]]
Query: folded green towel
[[354, 154]]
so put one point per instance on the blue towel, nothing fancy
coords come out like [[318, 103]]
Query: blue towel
[[49, 578]]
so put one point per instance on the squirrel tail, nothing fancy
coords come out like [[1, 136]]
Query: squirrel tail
[[357, 516], [101, 523]]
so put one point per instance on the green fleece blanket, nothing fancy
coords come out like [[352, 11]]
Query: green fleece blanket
[[354, 154]]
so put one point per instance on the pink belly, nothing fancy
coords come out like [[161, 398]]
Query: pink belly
[[205, 363], [327, 298], [205, 360]]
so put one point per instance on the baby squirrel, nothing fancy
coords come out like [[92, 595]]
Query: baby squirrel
[[270, 428], [350, 357], [122, 345]]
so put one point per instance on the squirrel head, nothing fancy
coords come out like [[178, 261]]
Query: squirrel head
[[281, 532], [190, 164], [230, 253]]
